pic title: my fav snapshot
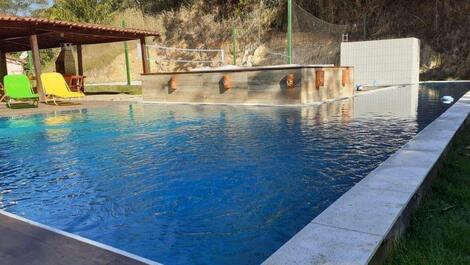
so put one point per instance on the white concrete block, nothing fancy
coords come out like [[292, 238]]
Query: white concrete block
[[383, 62]]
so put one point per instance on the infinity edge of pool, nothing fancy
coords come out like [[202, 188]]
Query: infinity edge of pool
[[455, 108], [367, 227]]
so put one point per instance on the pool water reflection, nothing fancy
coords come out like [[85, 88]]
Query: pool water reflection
[[184, 184]]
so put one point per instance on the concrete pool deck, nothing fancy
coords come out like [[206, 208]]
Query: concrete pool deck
[[26, 242], [363, 224], [95, 101]]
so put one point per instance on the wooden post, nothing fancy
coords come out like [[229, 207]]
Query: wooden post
[[3, 66], [143, 50], [33, 41], [80, 59]]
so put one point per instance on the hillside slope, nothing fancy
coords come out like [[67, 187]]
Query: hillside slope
[[441, 25]]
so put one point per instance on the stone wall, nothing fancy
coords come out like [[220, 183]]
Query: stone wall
[[291, 85]]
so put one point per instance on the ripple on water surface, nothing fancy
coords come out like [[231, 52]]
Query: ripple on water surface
[[202, 184]]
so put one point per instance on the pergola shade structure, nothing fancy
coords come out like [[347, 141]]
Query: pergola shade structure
[[27, 33]]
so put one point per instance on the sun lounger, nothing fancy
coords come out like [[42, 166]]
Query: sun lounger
[[55, 87], [18, 88]]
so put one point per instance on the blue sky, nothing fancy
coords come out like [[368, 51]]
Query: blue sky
[[50, 2]]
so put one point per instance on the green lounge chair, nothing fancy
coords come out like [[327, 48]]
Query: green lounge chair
[[18, 88]]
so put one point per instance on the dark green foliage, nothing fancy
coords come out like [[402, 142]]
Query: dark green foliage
[[92, 11], [101, 11], [47, 55], [152, 7], [156, 6]]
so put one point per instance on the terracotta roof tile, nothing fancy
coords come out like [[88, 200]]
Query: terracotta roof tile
[[50, 22]]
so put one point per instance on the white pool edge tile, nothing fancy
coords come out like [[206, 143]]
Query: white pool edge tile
[[82, 239], [295, 252]]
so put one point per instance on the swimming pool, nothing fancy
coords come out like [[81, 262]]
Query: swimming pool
[[186, 184]]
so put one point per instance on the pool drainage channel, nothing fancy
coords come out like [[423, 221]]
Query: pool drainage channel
[[363, 224]]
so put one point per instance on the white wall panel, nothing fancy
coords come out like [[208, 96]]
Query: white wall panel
[[383, 62]]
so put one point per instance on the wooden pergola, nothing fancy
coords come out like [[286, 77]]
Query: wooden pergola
[[27, 33]]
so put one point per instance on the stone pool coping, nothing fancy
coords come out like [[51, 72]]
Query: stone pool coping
[[362, 225]]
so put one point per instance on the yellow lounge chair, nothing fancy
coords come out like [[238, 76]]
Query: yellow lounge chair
[[54, 86]]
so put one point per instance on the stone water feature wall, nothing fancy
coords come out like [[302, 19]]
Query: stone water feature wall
[[277, 85]]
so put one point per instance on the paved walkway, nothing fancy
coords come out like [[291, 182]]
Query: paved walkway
[[24, 243], [95, 101]]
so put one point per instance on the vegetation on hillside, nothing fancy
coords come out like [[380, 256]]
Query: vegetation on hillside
[[91, 11], [441, 25]]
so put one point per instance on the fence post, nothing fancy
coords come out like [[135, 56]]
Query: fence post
[[289, 31], [234, 45], [126, 54]]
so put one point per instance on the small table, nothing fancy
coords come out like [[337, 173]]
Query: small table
[[76, 82]]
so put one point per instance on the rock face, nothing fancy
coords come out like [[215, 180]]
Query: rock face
[[260, 54]]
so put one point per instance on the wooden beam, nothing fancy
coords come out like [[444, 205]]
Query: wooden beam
[[23, 36], [19, 41], [33, 41], [143, 50], [16, 44], [80, 59], [3, 66]]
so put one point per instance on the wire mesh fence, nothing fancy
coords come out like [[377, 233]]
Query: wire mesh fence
[[253, 40]]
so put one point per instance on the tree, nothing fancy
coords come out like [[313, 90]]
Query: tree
[[155, 6], [20, 7], [91, 11]]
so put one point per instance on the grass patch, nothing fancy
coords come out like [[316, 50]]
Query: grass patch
[[131, 90], [440, 229]]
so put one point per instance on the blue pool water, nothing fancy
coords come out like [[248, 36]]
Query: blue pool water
[[186, 184]]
